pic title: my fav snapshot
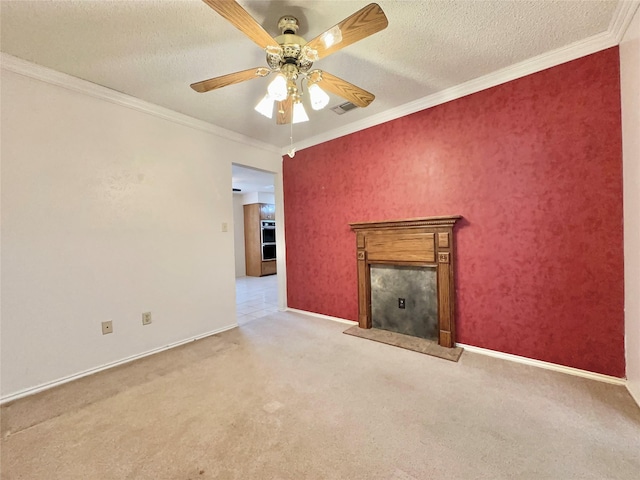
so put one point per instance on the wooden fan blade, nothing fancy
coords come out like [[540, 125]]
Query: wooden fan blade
[[344, 89], [240, 18], [230, 79], [284, 114], [366, 21]]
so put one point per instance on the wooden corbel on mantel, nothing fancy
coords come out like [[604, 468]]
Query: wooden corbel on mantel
[[418, 242]]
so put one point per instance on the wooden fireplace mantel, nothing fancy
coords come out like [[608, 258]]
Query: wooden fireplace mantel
[[426, 242]]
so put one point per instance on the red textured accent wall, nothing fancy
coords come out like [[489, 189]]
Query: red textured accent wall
[[535, 168]]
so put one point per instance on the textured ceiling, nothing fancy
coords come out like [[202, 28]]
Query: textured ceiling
[[153, 49]]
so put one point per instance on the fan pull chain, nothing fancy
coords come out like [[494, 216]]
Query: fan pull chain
[[292, 150]]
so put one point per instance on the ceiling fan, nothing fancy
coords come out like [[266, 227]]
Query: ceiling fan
[[291, 57]]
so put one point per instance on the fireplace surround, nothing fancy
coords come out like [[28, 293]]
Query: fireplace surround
[[416, 242]]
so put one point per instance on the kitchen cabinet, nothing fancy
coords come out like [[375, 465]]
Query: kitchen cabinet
[[267, 211], [254, 213]]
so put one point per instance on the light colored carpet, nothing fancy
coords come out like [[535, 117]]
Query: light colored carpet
[[288, 396]]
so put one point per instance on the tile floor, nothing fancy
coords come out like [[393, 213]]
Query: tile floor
[[256, 297]]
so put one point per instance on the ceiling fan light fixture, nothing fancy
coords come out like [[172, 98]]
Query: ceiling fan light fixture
[[265, 106], [289, 56], [299, 113], [318, 97], [278, 88]]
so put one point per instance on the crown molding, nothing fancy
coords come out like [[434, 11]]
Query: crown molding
[[625, 10], [53, 77], [620, 21]]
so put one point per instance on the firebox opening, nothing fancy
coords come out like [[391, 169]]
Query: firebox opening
[[417, 287]]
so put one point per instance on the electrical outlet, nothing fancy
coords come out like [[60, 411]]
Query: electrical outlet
[[107, 327], [402, 303], [225, 226], [146, 318]]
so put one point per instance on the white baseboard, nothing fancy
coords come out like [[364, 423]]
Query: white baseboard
[[46, 386], [546, 365], [324, 317], [504, 356], [634, 390], [470, 348]]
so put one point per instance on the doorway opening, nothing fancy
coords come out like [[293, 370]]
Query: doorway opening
[[256, 243]]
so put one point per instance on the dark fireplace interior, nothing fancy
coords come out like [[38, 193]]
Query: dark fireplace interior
[[404, 299]]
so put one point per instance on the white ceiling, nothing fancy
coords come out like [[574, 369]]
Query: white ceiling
[[153, 50], [251, 180]]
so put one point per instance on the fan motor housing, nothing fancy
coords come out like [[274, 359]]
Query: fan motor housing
[[291, 46], [288, 24]]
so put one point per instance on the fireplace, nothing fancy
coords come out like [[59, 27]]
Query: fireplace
[[406, 277]]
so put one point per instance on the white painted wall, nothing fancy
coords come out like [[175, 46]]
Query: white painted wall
[[258, 197], [108, 212], [238, 235], [630, 85]]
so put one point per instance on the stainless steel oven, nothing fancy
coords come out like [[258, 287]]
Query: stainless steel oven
[[268, 239], [268, 251], [267, 231]]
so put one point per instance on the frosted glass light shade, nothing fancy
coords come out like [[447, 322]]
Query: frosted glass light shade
[[265, 106], [319, 99], [299, 113], [278, 88]]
